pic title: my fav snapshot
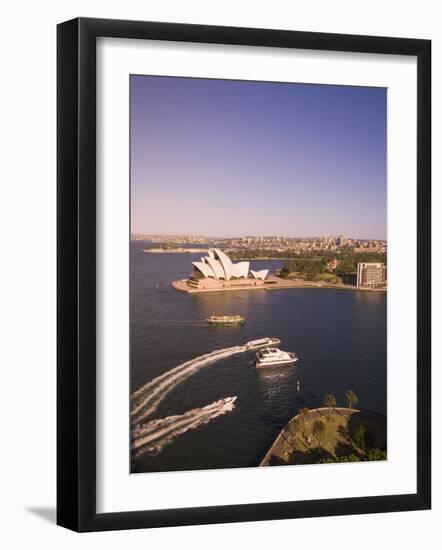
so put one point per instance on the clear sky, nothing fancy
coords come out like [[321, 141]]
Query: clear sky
[[235, 158]]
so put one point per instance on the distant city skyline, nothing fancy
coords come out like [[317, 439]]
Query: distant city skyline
[[264, 235], [238, 158]]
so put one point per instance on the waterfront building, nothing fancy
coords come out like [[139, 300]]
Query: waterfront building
[[371, 274], [216, 270]]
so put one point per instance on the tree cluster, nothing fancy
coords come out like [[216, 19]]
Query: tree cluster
[[312, 264], [349, 262]]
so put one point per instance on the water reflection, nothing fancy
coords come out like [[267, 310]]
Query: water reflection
[[229, 303], [274, 380]]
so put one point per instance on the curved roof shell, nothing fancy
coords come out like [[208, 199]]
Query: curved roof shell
[[260, 274], [219, 266], [226, 263], [241, 269], [216, 267], [204, 268]]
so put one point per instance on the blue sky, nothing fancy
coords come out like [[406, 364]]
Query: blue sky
[[233, 158]]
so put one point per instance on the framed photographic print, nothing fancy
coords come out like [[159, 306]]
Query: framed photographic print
[[243, 274]]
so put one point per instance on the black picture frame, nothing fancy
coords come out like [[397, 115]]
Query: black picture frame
[[77, 287]]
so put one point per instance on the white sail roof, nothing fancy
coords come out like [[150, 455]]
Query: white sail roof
[[219, 266], [260, 274], [204, 268]]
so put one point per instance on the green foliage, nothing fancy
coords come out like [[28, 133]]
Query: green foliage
[[349, 458], [250, 253], [318, 429], [360, 436], [372, 454], [346, 266], [352, 398], [349, 261], [327, 278], [329, 401], [376, 454], [306, 266], [314, 264]]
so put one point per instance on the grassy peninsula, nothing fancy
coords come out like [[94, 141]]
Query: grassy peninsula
[[328, 435]]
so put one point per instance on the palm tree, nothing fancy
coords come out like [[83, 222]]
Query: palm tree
[[352, 399], [330, 401], [302, 415], [318, 430]]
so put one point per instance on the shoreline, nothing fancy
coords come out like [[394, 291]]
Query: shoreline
[[175, 250], [277, 284], [205, 250]]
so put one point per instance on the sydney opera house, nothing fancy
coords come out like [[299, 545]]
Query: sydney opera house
[[218, 271]]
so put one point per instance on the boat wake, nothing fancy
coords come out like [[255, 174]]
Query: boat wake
[[146, 399], [152, 436]]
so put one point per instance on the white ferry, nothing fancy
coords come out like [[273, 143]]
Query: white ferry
[[274, 357], [226, 320], [262, 343]]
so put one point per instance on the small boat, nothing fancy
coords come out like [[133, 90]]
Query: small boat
[[225, 320], [274, 357], [262, 343]]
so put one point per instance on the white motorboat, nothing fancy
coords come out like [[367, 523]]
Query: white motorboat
[[262, 343], [274, 357]]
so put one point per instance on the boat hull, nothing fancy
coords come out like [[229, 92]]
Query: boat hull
[[274, 342], [225, 323], [259, 365]]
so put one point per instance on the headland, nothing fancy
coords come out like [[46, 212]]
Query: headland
[[350, 435]]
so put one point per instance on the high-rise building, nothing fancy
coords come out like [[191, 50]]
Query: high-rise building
[[342, 240], [371, 274]]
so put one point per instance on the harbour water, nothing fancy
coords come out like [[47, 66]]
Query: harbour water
[[339, 336]]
